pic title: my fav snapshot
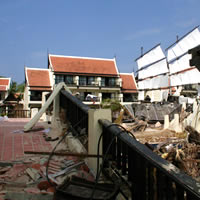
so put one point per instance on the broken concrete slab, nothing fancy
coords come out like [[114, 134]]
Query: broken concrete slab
[[33, 173], [27, 196], [156, 112]]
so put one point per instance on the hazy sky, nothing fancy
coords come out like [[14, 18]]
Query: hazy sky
[[92, 28]]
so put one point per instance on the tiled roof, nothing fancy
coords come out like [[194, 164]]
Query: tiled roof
[[82, 65], [38, 77], [4, 84], [41, 88], [4, 81], [128, 83], [3, 88]]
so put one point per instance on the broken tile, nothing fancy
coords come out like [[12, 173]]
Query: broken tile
[[14, 172], [33, 173], [44, 185], [27, 196], [23, 179], [32, 190]]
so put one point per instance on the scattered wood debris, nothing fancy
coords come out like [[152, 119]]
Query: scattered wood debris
[[183, 155], [180, 148]]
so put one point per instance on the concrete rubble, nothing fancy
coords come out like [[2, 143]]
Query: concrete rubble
[[175, 138], [26, 178]]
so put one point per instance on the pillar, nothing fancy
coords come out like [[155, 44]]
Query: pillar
[[166, 121], [94, 132]]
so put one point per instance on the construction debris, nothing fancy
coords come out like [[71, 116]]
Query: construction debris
[[28, 177], [170, 130], [183, 155]]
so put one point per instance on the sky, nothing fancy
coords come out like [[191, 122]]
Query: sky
[[30, 29]]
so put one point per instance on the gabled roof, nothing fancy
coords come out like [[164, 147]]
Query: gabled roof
[[38, 79], [3, 88], [128, 83], [4, 84], [83, 65]]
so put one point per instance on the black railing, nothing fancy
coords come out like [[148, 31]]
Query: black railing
[[111, 98], [110, 85], [96, 99], [76, 112], [149, 176], [10, 113]]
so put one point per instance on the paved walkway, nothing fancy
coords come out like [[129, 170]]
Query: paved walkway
[[13, 141]]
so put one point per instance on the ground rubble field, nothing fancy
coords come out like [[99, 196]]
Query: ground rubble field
[[27, 177], [24, 175], [181, 149]]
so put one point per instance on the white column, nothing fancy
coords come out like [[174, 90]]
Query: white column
[[43, 102], [76, 80], [121, 97], [166, 121], [99, 81], [100, 97], [94, 132]]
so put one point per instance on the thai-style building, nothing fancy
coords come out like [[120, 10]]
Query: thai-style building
[[91, 79], [38, 83], [129, 87], [88, 76], [4, 88]]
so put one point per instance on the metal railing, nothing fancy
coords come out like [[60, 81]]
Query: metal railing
[[96, 99], [10, 113], [149, 176], [76, 111]]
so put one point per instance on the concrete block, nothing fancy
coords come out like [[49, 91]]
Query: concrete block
[[94, 132], [166, 121]]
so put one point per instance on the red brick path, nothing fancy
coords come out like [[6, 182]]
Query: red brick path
[[13, 141]]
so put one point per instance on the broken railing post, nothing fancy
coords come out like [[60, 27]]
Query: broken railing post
[[94, 132], [166, 121], [44, 117], [56, 109], [55, 92]]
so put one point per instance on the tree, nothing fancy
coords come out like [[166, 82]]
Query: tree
[[21, 87], [13, 87]]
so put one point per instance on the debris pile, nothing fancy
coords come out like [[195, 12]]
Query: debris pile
[[27, 177], [179, 143], [183, 155]]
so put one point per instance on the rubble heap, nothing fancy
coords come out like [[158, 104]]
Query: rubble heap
[[27, 177]]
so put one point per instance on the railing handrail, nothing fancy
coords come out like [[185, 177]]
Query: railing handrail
[[76, 101], [187, 182]]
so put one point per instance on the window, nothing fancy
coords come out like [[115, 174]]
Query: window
[[188, 87], [91, 80], [36, 96], [103, 81], [59, 78], [69, 80], [82, 80], [107, 81], [111, 81]]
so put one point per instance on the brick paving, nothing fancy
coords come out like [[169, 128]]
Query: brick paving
[[13, 141]]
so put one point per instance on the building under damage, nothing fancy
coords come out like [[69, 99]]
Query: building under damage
[[160, 76], [146, 149]]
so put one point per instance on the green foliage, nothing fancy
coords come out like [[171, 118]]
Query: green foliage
[[113, 104], [14, 88], [21, 87]]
